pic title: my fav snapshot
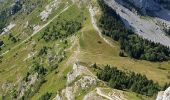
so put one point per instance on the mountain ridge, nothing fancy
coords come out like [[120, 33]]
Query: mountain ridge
[[58, 49]]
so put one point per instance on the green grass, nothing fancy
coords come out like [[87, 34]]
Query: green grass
[[130, 95], [101, 53], [55, 82], [93, 52]]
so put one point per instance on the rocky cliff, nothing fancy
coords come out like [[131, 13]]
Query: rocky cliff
[[134, 14], [164, 3], [143, 6], [164, 95]]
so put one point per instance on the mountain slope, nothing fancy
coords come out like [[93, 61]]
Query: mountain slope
[[50, 54], [149, 28]]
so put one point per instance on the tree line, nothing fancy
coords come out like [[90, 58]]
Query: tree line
[[129, 81], [134, 46]]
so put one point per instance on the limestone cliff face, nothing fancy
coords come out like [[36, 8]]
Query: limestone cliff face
[[164, 3], [144, 6], [148, 28], [164, 95]]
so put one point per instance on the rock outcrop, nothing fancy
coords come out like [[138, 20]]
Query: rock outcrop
[[150, 28], [164, 95], [164, 3], [144, 6]]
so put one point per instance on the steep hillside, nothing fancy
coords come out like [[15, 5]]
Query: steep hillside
[[148, 27], [164, 3], [56, 50]]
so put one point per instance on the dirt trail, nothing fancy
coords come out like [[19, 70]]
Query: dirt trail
[[114, 96], [99, 92], [93, 21], [74, 57]]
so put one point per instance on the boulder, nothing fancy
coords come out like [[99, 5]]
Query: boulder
[[164, 95]]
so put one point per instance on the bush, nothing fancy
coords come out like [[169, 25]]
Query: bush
[[53, 67], [39, 69], [46, 96], [121, 54], [43, 51], [1, 43]]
